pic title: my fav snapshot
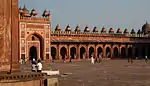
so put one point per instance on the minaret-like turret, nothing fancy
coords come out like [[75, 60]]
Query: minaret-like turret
[[95, 30], [68, 29], [111, 30], [33, 12], [103, 30], [77, 29], [86, 29]]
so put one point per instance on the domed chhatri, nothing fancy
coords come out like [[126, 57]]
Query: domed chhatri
[[86, 29], [26, 12], [126, 31], [103, 30], [95, 29], [139, 31], [68, 28], [111, 30], [33, 12], [21, 11], [77, 29], [57, 28], [132, 31], [46, 13], [146, 28], [119, 30]]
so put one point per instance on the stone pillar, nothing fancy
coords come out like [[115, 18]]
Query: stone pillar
[[111, 52], [58, 52], [15, 35], [87, 52], [9, 44], [68, 49], [119, 52], [96, 51], [78, 52], [104, 52]]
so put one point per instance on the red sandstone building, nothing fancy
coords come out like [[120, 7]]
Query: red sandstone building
[[34, 34], [36, 40]]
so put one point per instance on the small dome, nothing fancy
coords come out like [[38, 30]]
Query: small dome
[[20, 10], [68, 28], [77, 29], [132, 31], [126, 31], [139, 31], [86, 29], [111, 30], [103, 30], [95, 29], [146, 28], [119, 30], [33, 12], [26, 12], [46, 13], [57, 28]]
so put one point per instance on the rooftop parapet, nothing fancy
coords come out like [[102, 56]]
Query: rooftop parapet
[[95, 31], [93, 34], [26, 15]]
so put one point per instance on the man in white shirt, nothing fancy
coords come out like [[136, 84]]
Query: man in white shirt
[[39, 66]]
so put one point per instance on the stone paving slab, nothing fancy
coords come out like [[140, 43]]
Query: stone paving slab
[[107, 73]]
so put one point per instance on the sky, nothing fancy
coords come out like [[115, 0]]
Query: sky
[[108, 13]]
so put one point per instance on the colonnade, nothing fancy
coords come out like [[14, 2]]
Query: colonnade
[[110, 51]]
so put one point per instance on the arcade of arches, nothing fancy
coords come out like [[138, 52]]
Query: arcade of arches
[[107, 51]]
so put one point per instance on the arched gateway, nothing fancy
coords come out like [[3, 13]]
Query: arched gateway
[[34, 36], [35, 46]]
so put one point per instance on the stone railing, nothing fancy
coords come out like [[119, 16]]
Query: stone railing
[[95, 34], [35, 19], [23, 76]]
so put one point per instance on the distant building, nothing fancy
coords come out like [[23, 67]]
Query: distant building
[[37, 40]]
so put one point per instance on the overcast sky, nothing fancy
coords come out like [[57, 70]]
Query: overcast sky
[[109, 13]]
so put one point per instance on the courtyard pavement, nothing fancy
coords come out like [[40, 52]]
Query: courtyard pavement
[[107, 73]]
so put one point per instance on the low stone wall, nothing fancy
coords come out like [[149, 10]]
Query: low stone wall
[[28, 79], [41, 82], [23, 83]]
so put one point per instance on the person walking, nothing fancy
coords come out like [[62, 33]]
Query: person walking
[[70, 59], [34, 66], [39, 66], [92, 60], [146, 59]]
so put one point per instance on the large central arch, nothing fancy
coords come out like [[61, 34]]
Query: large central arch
[[37, 41]]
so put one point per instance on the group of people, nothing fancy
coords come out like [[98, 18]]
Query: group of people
[[36, 67], [97, 59]]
